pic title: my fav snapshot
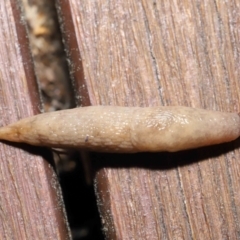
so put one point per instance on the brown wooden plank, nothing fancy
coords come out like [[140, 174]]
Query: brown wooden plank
[[147, 53], [31, 205]]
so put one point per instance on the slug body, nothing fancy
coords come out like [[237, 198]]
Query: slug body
[[126, 129]]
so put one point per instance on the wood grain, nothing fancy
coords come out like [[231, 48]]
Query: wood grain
[[31, 205], [149, 53]]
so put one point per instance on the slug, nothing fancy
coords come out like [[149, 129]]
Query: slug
[[126, 129]]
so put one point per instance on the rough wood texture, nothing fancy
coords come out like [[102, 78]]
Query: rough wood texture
[[147, 53], [31, 205]]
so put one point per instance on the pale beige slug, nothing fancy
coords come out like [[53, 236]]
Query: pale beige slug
[[126, 129]]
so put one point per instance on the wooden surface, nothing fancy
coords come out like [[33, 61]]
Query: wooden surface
[[31, 205], [149, 53]]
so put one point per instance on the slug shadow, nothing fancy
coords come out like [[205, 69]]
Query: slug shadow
[[161, 160], [43, 152]]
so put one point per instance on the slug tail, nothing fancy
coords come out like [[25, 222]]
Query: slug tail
[[9, 133]]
